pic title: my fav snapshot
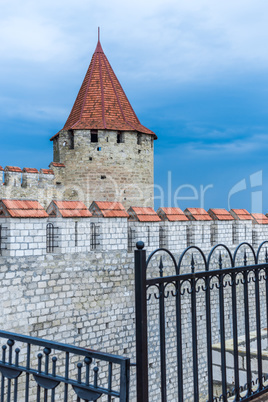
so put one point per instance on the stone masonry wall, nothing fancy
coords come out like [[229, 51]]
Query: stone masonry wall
[[87, 299], [107, 170], [148, 232], [23, 237], [30, 186], [71, 235]]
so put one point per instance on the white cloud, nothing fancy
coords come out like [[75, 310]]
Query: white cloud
[[18, 109], [171, 38], [146, 42]]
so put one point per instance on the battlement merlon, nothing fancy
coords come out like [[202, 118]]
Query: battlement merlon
[[59, 172]]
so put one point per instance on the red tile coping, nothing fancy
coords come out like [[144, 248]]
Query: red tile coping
[[241, 214], [30, 170], [106, 209], [13, 169], [143, 214], [101, 103], [172, 214], [68, 209], [23, 209], [1, 169], [46, 171], [220, 214], [57, 164], [197, 214], [260, 218]]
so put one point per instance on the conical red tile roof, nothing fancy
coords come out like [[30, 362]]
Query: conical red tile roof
[[101, 102]]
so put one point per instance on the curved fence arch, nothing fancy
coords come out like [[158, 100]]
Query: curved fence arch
[[206, 310]]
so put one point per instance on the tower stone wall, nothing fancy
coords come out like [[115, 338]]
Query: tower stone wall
[[106, 170]]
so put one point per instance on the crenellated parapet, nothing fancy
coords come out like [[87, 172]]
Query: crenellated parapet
[[29, 183], [12, 176], [30, 177], [70, 227], [1, 175], [46, 178]]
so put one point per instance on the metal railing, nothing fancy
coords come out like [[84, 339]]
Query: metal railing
[[131, 235], [202, 332], [51, 238], [35, 369], [3, 237], [94, 236], [162, 237]]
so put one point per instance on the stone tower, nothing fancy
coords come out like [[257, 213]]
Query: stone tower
[[103, 153]]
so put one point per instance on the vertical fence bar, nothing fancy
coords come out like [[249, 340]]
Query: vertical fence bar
[[266, 291], [3, 377], [179, 340], [194, 335], [222, 337], [235, 340], [247, 333], [124, 381], [209, 342], [141, 324], [17, 351], [10, 343], [258, 328], [27, 377], [67, 358], [162, 332]]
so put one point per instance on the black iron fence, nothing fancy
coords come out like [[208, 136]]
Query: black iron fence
[[36, 370], [131, 239], [52, 238], [94, 236], [202, 324], [3, 238]]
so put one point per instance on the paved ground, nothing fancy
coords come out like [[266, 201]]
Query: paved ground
[[262, 398]]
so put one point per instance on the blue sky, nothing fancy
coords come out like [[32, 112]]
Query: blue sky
[[194, 71]]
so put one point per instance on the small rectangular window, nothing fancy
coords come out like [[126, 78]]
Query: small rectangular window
[[3, 238], [94, 135], [162, 237], [51, 238], [234, 234], [131, 239], [148, 236], [76, 234], [203, 234], [213, 235], [94, 242], [139, 139], [71, 139], [189, 236], [254, 238], [119, 138]]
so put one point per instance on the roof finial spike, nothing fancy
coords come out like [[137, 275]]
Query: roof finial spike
[[98, 34]]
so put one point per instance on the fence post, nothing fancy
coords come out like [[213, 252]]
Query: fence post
[[141, 324]]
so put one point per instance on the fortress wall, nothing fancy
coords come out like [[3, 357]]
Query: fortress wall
[[111, 233], [242, 231], [22, 237], [148, 232], [30, 186], [222, 232], [259, 233], [174, 235], [200, 233], [87, 299], [72, 235]]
